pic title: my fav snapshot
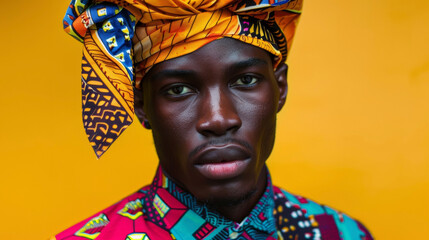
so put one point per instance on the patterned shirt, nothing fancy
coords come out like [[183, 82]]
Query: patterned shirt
[[163, 210]]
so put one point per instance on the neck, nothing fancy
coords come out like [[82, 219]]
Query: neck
[[239, 209], [234, 209]]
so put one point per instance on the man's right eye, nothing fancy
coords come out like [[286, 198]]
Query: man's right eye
[[178, 90]]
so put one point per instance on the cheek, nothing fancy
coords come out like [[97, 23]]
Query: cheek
[[264, 125], [259, 120], [261, 106], [171, 126], [267, 132]]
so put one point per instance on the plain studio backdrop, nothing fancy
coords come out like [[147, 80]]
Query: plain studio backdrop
[[353, 135]]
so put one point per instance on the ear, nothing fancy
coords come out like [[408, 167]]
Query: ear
[[281, 77], [138, 106]]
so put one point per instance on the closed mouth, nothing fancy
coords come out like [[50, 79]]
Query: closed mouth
[[220, 154], [219, 162]]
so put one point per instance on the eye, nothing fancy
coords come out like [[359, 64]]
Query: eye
[[178, 90], [246, 81]]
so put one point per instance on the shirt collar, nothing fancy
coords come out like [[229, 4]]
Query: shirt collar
[[261, 217]]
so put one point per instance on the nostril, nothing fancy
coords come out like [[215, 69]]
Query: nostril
[[234, 125], [219, 126]]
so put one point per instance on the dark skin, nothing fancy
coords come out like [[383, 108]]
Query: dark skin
[[211, 111]]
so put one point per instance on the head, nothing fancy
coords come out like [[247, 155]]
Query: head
[[130, 37], [213, 117]]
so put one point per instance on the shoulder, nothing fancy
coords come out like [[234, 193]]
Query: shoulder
[[120, 216], [331, 223]]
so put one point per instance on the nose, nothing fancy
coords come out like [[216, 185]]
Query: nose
[[218, 114]]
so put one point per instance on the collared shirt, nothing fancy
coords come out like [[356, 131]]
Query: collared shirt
[[163, 210]]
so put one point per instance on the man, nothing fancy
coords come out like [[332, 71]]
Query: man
[[210, 91]]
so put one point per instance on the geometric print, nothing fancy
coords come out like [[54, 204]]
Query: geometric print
[[132, 209], [93, 228], [154, 213]]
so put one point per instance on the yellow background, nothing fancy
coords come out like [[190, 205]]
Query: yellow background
[[354, 134]]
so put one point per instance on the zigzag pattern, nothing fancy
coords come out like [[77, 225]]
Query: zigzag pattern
[[188, 200], [104, 118]]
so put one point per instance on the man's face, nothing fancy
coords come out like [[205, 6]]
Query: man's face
[[213, 117]]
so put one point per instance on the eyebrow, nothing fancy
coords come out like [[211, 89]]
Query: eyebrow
[[168, 73]]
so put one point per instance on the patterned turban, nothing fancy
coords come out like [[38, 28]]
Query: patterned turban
[[123, 39]]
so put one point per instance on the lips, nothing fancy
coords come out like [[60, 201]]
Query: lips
[[222, 161]]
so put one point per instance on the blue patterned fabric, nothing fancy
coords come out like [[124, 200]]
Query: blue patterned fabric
[[115, 27]]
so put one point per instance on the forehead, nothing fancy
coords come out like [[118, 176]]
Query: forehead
[[220, 53]]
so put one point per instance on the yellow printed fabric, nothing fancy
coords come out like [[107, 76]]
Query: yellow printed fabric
[[123, 39]]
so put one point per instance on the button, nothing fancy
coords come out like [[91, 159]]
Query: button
[[233, 235]]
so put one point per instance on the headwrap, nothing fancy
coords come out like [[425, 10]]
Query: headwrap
[[123, 39]]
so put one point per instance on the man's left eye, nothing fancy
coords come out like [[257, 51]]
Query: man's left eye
[[246, 81]]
